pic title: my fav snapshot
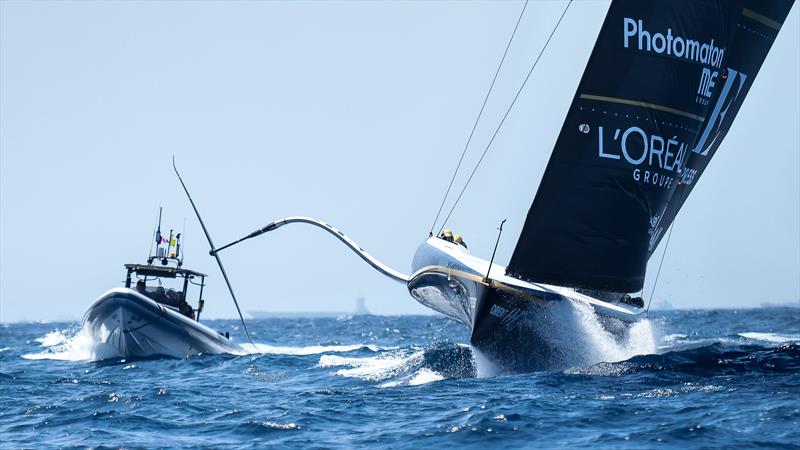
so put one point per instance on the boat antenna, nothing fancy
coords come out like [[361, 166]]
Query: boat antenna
[[156, 239], [153, 237], [216, 256], [488, 271], [478, 118], [658, 272], [503, 120], [158, 231], [183, 237]]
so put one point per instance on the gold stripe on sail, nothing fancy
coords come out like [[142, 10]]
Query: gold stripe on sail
[[625, 101]]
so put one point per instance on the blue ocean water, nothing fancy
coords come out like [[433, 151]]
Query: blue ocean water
[[703, 378]]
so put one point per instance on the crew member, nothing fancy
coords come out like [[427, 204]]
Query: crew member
[[458, 240], [447, 235]]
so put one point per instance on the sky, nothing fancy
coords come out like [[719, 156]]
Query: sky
[[351, 112]]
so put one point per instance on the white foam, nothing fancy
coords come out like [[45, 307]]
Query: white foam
[[52, 338], [422, 376], [770, 337], [373, 368], [576, 331], [484, 366], [71, 345], [425, 376], [674, 337], [260, 348], [395, 368], [79, 345]]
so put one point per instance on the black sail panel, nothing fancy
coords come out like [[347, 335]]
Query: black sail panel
[[654, 103], [758, 26]]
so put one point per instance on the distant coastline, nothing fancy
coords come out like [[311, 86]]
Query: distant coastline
[[297, 315], [794, 304]]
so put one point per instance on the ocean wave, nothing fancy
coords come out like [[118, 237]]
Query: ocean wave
[[719, 358], [770, 337], [407, 367], [259, 348], [674, 337]]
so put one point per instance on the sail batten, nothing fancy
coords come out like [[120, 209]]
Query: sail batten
[[642, 104], [659, 92]]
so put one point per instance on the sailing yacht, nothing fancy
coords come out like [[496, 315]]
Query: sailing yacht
[[660, 91]]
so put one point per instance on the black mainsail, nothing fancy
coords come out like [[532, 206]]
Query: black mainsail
[[660, 91]]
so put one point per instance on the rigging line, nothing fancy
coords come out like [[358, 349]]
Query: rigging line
[[478, 118], [216, 256], [658, 272], [502, 121]]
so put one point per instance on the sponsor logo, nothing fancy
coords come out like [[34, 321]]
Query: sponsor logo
[[734, 82], [513, 316], [707, 54], [498, 311], [654, 220], [678, 46], [655, 230], [654, 160], [706, 86], [507, 317]]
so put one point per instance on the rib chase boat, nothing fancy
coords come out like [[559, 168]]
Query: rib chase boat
[[660, 91], [148, 318]]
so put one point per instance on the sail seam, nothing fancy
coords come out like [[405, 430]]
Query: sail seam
[[625, 101]]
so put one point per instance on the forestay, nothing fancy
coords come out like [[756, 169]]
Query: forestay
[[660, 91]]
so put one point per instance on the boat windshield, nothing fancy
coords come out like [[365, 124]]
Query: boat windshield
[[166, 296]]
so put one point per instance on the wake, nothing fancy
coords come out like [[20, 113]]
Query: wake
[[77, 344]]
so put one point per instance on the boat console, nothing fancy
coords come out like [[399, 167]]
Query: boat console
[[171, 297]]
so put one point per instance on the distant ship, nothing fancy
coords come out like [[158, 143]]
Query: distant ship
[[794, 304], [360, 310]]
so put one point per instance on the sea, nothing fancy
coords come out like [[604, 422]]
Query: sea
[[684, 379]]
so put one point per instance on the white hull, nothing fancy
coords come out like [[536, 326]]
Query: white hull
[[437, 257], [136, 326]]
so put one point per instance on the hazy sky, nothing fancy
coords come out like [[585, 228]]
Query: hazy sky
[[352, 112]]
